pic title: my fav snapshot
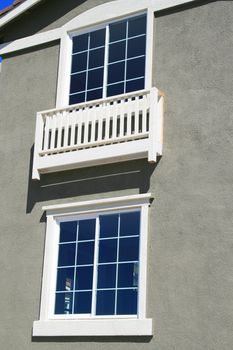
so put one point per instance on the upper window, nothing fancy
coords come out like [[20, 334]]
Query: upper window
[[95, 268], [108, 61]]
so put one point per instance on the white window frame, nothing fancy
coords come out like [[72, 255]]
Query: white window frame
[[96, 18], [50, 324]]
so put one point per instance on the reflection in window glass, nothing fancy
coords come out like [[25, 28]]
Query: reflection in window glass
[[122, 67], [99, 255]]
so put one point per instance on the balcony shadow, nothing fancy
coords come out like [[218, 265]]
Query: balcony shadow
[[102, 179]]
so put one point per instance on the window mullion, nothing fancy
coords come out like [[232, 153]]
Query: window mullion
[[95, 267], [117, 263], [126, 53], [107, 36], [88, 54], [75, 260]]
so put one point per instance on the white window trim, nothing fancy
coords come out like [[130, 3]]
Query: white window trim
[[56, 325], [98, 17]]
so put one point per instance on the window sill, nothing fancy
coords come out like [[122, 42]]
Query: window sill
[[125, 327]]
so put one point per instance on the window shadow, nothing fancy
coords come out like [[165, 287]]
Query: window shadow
[[91, 339]]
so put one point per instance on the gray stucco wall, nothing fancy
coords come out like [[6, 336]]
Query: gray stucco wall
[[190, 247]]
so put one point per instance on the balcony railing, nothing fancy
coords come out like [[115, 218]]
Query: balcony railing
[[113, 129]]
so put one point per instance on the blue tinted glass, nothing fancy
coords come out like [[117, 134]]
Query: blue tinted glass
[[128, 249], [134, 85], [65, 279], [136, 46], [82, 303], [68, 231], [63, 304], [105, 304], [86, 230], [77, 82], [79, 62], [129, 224], [128, 275], [80, 43], [109, 225], [127, 302], [85, 253], [116, 89], [116, 72], [84, 277], [66, 255], [106, 276], [137, 26], [94, 94], [135, 68], [95, 78], [107, 250], [96, 58], [117, 31], [97, 38], [117, 51], [77, 98]]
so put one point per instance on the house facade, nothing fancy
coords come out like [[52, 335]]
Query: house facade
[[116, 176]]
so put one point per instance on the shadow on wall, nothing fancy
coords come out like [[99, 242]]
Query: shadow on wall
[[106, 339], [89, 181]]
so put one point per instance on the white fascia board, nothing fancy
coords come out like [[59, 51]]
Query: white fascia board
[[31, 41], [98, 204], [17, 11]]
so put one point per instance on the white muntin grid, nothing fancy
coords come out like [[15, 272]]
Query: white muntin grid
[[96, 264], [106, 56]]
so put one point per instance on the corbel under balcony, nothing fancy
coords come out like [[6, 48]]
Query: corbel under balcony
[[109, 130]]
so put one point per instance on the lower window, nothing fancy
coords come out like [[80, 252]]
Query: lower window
[[95, 268]]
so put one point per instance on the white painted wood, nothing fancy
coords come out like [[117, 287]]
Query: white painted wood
[[99, 203], [111, 115], [38, 144], [118, 327], [31, 41]]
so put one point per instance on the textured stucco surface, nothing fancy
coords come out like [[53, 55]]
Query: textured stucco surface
[[190, 245]]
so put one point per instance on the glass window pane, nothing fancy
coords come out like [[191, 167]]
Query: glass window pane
[[137, 26], [107, 250], [109, 225], [116, 72], [106, 276], [136, 47], [66, 255], [86, 230], [134, 85], [116, 89], [97, 38], [94, 94], [82, 303], [128, 249], [127, 275], [79, 62], [85, 254], [63, 304], [105, 304], [129, 224], [77, 82], [127, 302], [96, 58], [95, 78], [117, 51], [65, 279], [117, 31], [135, 68], [80, 43], [68, 231], [84, 277], [77, 98]]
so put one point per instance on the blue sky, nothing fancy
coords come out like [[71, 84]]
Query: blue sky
[[4, 3]]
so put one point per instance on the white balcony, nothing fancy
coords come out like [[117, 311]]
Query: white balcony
[[114, 129]]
